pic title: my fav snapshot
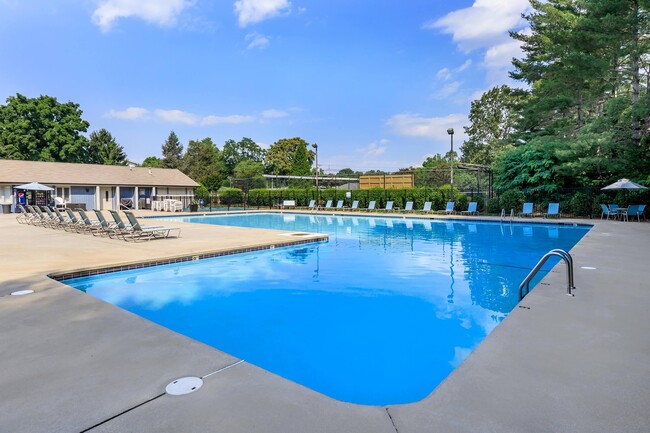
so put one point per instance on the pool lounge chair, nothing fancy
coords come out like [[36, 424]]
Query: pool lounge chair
[[408, 207], [328, 205], [527, 210], [427, 206], [389, 207], [339, 205], [137, 232], [553, 210], [450, 208], [371, 205], [312, 205], [355, 205], [24, 217], [471, 209], [107, 228]]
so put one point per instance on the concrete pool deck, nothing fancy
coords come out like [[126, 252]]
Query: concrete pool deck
[[73, 363]]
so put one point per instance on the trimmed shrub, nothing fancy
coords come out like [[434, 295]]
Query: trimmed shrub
[[580, 205], [512, 199], [494, 206], [231, 196]]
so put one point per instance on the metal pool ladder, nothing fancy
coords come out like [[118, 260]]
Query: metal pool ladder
[[569, 264]]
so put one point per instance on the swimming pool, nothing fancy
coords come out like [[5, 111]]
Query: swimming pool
[[380, 314]]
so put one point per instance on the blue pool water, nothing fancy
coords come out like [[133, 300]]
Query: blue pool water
[[380, 314]]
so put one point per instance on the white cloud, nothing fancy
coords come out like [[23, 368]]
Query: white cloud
[[480, 25], [254, 11], [444, 74], [177, 116], [464, 66], [498, 60], [255, 40], [131, 113], [160, 12], [375, 148], [274, 114], [448, 90], [414, 125], [232, 119]]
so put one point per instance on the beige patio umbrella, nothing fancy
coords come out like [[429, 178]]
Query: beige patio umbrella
[[624, 184]]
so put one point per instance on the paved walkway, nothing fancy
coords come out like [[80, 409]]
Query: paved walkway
[[73, 363]]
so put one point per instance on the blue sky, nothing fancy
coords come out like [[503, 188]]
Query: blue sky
[[376, 83]]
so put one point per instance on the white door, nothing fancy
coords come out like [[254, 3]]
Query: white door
[[106, 198]]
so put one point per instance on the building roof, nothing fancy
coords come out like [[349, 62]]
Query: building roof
[[62, 173]]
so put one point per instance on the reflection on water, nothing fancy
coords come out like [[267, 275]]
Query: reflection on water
[[380, 314]]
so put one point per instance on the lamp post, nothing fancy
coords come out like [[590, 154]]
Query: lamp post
[[450, 131], [315, 146]]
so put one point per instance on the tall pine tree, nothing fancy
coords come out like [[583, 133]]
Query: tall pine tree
[[172, 152]]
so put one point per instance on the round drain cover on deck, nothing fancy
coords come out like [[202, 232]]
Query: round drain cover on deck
[[184, 385], [22, 292]]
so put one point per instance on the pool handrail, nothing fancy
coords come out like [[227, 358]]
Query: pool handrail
[[556, 252]]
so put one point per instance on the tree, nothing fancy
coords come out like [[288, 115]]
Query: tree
[[152, 161], [42, 129], [103, 149], [172, 152], [249, 175], [348, 172], [202, 160], [279, 158], [493, 119], [236, 152]]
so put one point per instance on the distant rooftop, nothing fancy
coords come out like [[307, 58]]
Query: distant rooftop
[[61, 173]]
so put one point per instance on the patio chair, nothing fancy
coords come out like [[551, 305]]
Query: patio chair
[[427, 206], [527, 210], [64, 221], [631, 211], [56, 221], [328, 205], [408, 207], [450, 208], [640, 213], [339, 205], [371, 205], [553, 210], [606, 210], [471, 208], [312, 204], [147, 232], [355, 205], [40, 219]]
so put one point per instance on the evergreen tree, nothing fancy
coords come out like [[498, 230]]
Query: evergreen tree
[[103, 149], [202, 160], [172, 152]]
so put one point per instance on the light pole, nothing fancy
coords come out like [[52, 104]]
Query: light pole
[[450, 131], [315, 146]]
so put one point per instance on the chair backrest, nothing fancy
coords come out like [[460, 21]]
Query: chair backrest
[[528, 208], [312, 203], [72, 216], [339, 204], [355, 204], [100, 218], [371, 205], [118, 220], [133, 220], [633, 209], [641, 208], [613, 207], [59, 215], [471, 207], [450, 206], [389, 205], [84, 217], [604, 208], [328, 204], [409, 205], [427, 206], [553, 208]]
